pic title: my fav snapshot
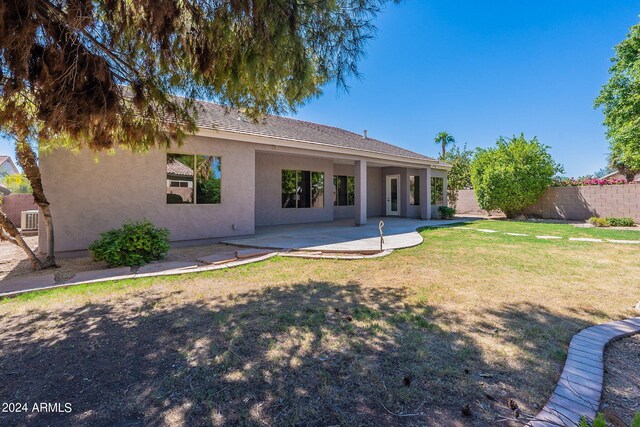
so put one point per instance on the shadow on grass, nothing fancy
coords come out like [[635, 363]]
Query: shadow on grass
[[445, 226], [309, 354]]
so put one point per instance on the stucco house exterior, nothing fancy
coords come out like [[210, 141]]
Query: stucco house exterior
[[7, 167], [235, 175]]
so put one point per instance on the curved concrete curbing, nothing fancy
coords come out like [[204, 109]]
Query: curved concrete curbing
[[580, 387], [328, 255]]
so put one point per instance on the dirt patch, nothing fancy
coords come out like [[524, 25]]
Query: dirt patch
[[621, 391]]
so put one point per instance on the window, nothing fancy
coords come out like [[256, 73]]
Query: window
[[208, 174], [343, 190], [436, 191], [302, 189], [414, 190], [186, 172]]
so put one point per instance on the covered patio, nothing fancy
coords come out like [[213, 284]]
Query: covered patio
[[341, 235]]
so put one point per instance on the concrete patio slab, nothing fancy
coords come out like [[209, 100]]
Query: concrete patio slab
[[341, 235]]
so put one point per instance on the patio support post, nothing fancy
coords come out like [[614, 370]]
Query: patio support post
[[444, 190], [360, 208], [425, 193]]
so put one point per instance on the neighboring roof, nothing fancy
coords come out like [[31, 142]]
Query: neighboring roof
[[4, 190], [4, 159], [612, 174], [176, 167], [620, 176], [218, 117]]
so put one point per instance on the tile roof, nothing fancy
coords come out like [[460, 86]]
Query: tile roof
[[215, 116], [176, 167]]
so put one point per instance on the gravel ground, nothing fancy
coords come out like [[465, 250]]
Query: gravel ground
[[14, 263], [621, 391]]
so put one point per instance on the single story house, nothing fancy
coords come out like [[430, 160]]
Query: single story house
[[7, 167], [234, 175]]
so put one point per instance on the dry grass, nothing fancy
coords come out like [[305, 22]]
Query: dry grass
[[466, 318]]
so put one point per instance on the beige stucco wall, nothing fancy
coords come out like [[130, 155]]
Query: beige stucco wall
[[375, 192], [404, 188], [88, 198], [268, 189]]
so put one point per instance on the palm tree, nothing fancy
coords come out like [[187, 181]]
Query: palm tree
[[444, 139]]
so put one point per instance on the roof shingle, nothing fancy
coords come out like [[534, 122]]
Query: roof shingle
[[218, 117]]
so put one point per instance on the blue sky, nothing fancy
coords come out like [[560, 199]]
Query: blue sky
[[481, 69]]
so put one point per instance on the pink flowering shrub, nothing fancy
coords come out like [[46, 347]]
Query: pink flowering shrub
[[573, 182]]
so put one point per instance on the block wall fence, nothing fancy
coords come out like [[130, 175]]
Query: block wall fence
[[13, 204], [573, 203]]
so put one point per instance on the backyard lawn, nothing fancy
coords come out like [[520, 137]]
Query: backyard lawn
[[454, 331]]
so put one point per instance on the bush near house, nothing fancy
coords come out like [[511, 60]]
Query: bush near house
[[512, 175], [446, 212], [134, 244]]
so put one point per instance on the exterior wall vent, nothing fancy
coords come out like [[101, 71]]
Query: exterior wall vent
[[29, 220]]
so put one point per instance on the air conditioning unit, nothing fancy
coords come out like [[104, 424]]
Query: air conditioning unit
[[29, 220]]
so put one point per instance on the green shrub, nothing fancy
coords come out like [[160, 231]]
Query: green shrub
[[446, 212], [512, 175], [135, 244], [621, 222], [599, 222], [598, 421]]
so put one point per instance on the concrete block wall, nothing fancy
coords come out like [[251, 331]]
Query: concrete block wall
[[14, 204], [467, 202], [574, 203]]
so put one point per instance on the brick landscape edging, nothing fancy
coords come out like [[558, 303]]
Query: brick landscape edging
[[580, 387]]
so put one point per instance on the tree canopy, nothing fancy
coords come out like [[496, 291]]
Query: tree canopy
[[444, 139], [459, 177], [105, 72], [620, 99], [512, 175], [16, 183]]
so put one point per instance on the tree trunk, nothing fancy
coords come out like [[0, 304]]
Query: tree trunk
[[9, 232], [443, 150], [29, 163], [630, 175]]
